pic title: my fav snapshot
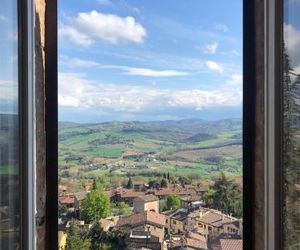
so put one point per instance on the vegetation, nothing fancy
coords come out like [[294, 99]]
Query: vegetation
[[96, 206], [104, 240], [77, 239], [173, 202], [122, 209], [291, 159], [150, 149], [225, 196]]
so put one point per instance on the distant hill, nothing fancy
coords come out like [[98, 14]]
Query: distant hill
[[147, 148]]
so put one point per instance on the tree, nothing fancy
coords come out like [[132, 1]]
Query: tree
[[105, 240], [129, 183], [164, 176], [168, 176], [77, 238], [225, 196], [96, 206], [122, 209], [183, 180], [173, 202], [154, 184], [94, 187], [164, 183]]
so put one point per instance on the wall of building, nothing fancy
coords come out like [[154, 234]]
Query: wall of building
[[40, 8]]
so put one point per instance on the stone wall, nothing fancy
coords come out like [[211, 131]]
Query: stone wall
[[40, 6]]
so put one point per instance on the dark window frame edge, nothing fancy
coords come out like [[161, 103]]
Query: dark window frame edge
[[51, 123], [273, 126]]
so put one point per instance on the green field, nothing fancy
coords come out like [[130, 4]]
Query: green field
[[148, 149]]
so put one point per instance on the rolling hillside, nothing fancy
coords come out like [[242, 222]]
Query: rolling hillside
[[144, 149]]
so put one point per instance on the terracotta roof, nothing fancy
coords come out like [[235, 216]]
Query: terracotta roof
[[214, 218], [195, 244], [228, 244], [196, 236], [66, 199], [147, 198], [129, 193], [142, 218], [176, 190]]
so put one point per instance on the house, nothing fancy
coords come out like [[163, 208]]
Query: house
[[187, 190], [109, 223], [62, 189], [176, 221], [191, 201], [148, 202], [194, 244], [230, 244], [126, 195], [144, 229], [67, 201], [79, 197], [214, 222]]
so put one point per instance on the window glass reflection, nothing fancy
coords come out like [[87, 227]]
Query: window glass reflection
[[9, 171], [291, 125]]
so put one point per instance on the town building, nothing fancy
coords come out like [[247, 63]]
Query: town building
[[229, 244], [148, 202], [214, 222], [176, 221], [126, 195], [146, 229]]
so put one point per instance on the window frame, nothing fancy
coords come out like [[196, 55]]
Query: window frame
[[249, 127]]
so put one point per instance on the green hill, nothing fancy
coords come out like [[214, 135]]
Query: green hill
[[145, 149]]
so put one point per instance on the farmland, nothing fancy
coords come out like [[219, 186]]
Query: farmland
[[194, 148]]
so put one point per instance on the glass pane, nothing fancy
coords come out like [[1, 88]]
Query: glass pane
[[291, 125], [150, 122], [9, 171]]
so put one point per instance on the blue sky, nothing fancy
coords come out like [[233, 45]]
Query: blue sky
[[149, 60]]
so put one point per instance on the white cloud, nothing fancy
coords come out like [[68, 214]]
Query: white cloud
[[213, 66], [76, 62], [237, 78], [153, 73], [221, 27], [230, 53], [75, 36], [292, 42], [104, 2], [75, 91], [211, 48], [88, 27]]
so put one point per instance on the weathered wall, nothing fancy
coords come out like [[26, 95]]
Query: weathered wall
[[40, 123], [259, 126]]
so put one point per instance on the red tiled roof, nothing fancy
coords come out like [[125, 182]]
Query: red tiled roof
[[229, 244], [129, 193], [142, 218], [66, 199], [148, 198], [195, 244]]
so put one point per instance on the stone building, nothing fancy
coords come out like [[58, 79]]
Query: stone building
[[143, 230], [146, 203]]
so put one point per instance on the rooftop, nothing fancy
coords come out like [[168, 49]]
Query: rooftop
[[227, 244], [142, 218], [148, 198]]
